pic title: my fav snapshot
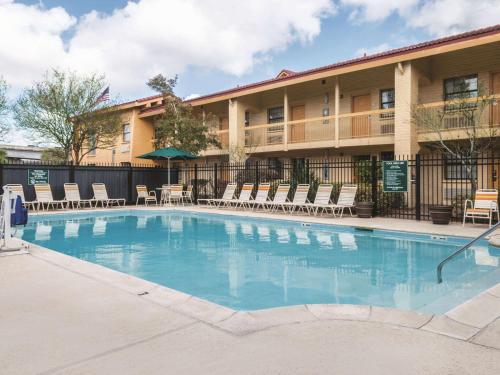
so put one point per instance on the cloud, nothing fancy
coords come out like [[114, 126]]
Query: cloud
[[447, 17], [437, 17], [192, 96], [372, 50], [151, 36], [376, 10]]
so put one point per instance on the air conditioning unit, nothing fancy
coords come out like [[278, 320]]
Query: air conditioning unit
[[125, 147]]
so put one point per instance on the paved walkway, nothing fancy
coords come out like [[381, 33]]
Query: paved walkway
[[60, 315]]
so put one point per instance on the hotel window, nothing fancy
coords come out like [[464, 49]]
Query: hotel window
[[275, 133], [458, 89], [247, 118], [126, 133], [387, 101], [454, 169], [276, 114]]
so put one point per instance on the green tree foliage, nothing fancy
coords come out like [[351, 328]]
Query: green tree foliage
[[64, 109], [180, 126], [54, 155], [3, 156]]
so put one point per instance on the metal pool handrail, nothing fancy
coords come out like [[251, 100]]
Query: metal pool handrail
[[462, 249]]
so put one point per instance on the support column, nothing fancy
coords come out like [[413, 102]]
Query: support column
[[337, 111], [285, 116], [406, 96], [236, 129]]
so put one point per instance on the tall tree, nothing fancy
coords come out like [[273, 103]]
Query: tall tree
[[67, 110], [461, 127], [180, 126], [3, 107]]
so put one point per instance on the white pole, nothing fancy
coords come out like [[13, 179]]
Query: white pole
[[168, 168]]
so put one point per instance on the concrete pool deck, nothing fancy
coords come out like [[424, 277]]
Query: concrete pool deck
[[63, 315]]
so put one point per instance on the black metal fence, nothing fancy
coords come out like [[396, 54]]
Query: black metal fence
[[120, 180], [432, 180]]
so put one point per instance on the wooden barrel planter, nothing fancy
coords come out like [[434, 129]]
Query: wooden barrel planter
[[364, 209], [441, 215]]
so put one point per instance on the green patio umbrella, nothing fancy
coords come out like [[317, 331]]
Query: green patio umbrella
[[169, 153]]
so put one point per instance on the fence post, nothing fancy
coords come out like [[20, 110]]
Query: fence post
[[71, 172], [417, 187], [129, 182], [257, 177], [216, 183], [306, 172], [195, 185], [374, 182]]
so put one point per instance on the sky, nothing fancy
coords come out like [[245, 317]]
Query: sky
[[212, 44]]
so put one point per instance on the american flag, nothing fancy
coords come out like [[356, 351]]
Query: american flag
[[104, 96]]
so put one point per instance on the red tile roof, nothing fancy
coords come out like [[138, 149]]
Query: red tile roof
[[394, 52]]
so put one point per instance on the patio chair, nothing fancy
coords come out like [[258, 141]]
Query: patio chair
[[244, 198], [299, 199], [262, 196], [187, 195], [176, 194], [101, 195], [19, 190], [322, 200], [72, 196], [143, 193], [280, 197], [44, 198], [485, 206], [226, 197], [345, 200]]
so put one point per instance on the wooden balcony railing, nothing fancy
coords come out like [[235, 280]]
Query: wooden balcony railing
[[351, 125], [449, 116]]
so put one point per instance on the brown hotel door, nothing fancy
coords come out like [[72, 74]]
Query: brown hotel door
[[297, 130], [360, 125]]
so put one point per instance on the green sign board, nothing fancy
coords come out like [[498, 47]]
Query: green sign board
[[38, 176], [395, 176]]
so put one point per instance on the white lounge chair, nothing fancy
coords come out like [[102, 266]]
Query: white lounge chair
[[280, 197], [72, 196], [322, 200], [44, 198], [228, 196], [101, 195], [245, 196], [143, 193], [299, 199], [262, 196], [345, 200], [19, 190], [485, 206]]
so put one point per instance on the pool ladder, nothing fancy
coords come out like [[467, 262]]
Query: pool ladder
[[461, 250]]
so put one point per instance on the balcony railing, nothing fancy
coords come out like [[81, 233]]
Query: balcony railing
[[453, 115], [366, 124], [351, 125]]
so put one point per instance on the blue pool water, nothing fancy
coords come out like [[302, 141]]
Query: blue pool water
[[249, 264]]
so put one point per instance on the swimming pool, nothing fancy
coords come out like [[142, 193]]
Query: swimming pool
[[248, 263]]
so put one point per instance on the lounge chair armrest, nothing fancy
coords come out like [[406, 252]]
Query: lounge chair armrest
[[468, 201]]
